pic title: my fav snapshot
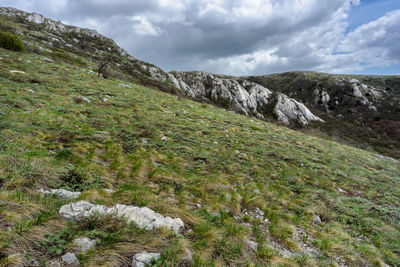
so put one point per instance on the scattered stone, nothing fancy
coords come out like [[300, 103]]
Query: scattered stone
[[86, 99], [33, 263], [259, 212], [70, 260], [102, 132], [125, 85], [84, 243], [55, 263], [317, 219], [144, 218], [17, 71], [109, 191], [253, 245], [61, 193], [384, 157], [144, 141], [185, 112], [164, 138], [341, 190], [143, 259], [31, 91], [47, 59], [215, 143], [256, 191], [198, 205]]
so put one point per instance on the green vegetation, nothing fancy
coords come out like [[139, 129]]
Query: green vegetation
[[211, 157], [11, 41]]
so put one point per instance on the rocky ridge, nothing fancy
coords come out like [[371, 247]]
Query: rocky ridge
[[231, 93], [362, 108]]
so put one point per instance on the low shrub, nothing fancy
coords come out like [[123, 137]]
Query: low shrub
[[11, 42]]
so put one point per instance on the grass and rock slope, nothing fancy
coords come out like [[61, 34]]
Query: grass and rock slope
[[250, 193]]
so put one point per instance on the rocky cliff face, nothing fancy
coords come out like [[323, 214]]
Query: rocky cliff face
[[234, 94]]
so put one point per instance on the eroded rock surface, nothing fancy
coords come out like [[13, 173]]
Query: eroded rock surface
[[240, 96], [144, 218]]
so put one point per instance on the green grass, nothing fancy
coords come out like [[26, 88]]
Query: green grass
[[49, 139]]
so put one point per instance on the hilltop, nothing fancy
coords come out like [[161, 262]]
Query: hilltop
[[229, 190]]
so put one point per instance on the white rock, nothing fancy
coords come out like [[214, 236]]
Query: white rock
[[70, 260], [109, 191], [259, 212], [384, 157], [35, 18], [256, 191], [144, 218], [142, 259], [147, 218], [125, 85], [341, 190], [356, 91], [17, 71], [253, 245], [55, 263], [287, 109], [86, 99], [317, 219], [84, 243], [61, 193], [164, 138]]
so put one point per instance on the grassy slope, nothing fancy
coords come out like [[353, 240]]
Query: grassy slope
[[51, 136]]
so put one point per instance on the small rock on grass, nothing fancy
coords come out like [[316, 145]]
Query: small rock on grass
[[317, 219], [61, 193], [253, 245], [142, 259], [84, 244], [70, 260]]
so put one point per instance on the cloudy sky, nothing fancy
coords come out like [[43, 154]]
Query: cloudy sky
[[243, 37]]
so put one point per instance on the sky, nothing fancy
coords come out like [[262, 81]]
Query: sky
[[243, 37]]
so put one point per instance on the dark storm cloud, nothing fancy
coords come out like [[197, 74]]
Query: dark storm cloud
[[233, 37]]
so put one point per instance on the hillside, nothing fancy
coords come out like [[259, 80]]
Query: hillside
[[231, 93], [230, 190], [361, 110]]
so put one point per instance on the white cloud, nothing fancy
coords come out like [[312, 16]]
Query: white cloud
[[236, 37]]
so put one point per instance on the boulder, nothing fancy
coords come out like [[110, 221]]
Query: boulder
[[287, 109], [143, 259], [144, 218]]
